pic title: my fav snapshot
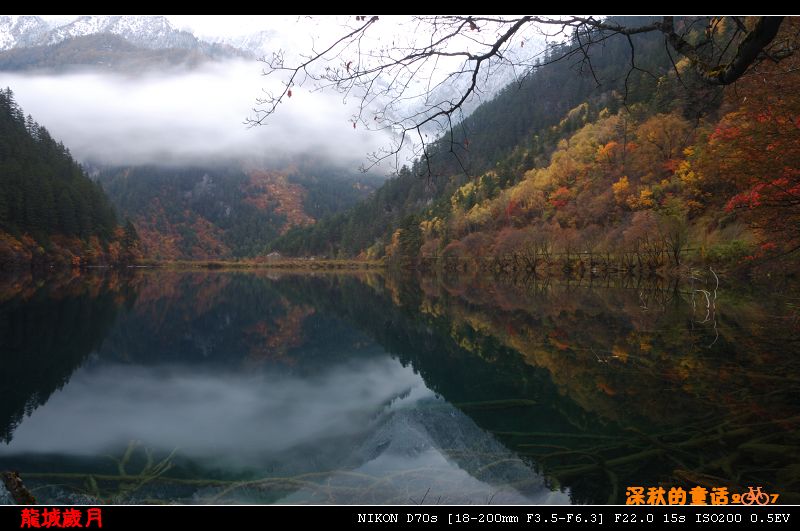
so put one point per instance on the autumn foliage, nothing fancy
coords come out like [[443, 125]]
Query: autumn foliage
[[754, 152], [648, 190]]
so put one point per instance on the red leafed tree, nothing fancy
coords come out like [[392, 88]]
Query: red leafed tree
[[756, 149], [560, 197]]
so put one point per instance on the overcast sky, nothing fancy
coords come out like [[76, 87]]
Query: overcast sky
[[230, 25], [219, 25], [174, 117]]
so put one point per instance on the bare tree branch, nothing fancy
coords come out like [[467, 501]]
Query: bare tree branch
[[407, 87]]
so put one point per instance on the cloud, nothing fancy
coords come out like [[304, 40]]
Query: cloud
[[181, 117], [212, 416]]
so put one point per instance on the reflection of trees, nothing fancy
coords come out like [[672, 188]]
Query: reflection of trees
[[599, 386], [496, 388], [642, 358], [273, 340], [192, 316], [47, 330], [229, 319]]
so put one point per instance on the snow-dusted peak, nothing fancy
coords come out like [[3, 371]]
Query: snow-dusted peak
[[21, 31], [146, 31], [142, 30], [84, 25], [259, 43]]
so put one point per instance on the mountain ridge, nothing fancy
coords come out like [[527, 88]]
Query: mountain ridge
[[116, 42], [145, 31]]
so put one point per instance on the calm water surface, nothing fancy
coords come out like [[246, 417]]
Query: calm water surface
[[260, 388]]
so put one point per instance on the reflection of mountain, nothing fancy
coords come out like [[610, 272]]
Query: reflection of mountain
[[635, 354], [601, 387], [427, 451], [696, 391], [501, 394], [369, 389], [355, 433], [220, 418], [231, 320], [177, 371], [45, 334]]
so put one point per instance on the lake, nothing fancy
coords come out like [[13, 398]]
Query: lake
[[263, 387]]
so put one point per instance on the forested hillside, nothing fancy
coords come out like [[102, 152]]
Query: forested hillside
[[515, 131], [650, 169], [103, 51], [50, 211], [222, 210]]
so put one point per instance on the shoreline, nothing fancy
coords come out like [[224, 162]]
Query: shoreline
[[285, 264]]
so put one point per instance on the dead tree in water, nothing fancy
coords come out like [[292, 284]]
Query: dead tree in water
[[15, 487]]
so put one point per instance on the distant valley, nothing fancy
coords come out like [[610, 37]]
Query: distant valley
[[223, 211], [188, 195]]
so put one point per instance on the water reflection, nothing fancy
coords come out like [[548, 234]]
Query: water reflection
[[255, 388], [47, 330], [237, 388], [689, 396], [232, 418]]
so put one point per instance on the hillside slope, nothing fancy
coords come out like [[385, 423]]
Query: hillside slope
[[50, 211], [227, 210], [649, 171]]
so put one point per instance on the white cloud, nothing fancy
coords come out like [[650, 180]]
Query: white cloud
[[186, 116]]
